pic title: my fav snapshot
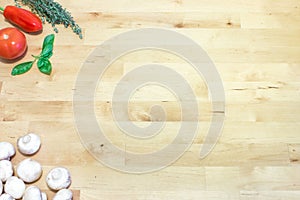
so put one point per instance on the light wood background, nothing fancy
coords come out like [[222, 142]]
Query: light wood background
[[255, 46]]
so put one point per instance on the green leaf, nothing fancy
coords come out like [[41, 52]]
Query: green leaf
[[44, 66], [47, 50], [22, 68], [49, 39]]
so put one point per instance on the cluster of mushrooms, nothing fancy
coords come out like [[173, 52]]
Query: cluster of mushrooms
[[12, 185]]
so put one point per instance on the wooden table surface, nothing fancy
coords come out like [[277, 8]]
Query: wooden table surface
[[255, 46]]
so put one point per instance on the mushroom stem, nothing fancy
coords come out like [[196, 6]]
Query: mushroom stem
[[29, 144], [58, 178], [26, 139], [57, 174]]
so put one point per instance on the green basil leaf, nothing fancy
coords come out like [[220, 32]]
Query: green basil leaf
[[44, 66], [22, 68], [47, 49], [49, 39]]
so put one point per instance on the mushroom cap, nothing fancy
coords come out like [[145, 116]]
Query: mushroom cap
[[29, 170], [6, 170], [6, 197], [7, 150], [29, 144], [15, 187], [58, 178], [32, 193], [44, 196], [64, 194]]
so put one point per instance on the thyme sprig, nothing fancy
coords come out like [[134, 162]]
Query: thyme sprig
[[53, 13]]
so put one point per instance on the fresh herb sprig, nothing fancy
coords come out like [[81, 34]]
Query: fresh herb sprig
[[43, 62], [53, 13]]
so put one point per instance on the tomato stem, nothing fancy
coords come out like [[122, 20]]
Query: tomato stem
[[1, 9]]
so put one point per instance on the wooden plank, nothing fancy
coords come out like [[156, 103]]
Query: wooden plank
[[249, 92], [294, 152], [270, 20], [210, 37], [120, 20], [270, 178], [187, 5], [57, 111], [269, 195]]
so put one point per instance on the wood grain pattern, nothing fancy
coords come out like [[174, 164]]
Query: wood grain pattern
[[255, 46]]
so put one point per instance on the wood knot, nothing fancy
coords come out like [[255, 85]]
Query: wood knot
[[179, 25], [94, 14]]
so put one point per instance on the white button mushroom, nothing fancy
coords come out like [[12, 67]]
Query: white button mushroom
[[6, 170], [58, 178], [7, 150], [6, 197], [15, 187], [64, 194], [29, 170], [44, 196], [32, 193], [29, 144]]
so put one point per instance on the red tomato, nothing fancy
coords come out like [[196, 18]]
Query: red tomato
[[12, 43], [24, 19]]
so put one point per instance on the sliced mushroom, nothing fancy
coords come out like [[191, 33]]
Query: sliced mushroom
[[29, 144], [64, 194], [6, 197], [7, 150], [29, 170], [15, 187], [6, 170], [32, 193], [58, 178]]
